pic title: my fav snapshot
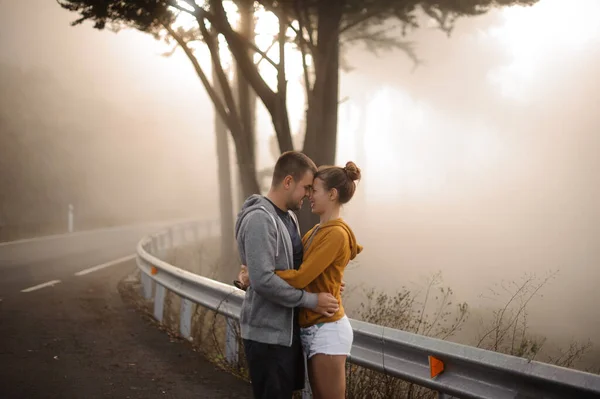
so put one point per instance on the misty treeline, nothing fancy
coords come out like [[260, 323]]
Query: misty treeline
[[38, 182], [59, 146]]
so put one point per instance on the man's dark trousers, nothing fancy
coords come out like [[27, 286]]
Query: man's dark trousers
[[276, 371]]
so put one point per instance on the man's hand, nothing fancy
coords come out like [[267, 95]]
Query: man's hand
[[343, 286], [327, 305], [243, 276]]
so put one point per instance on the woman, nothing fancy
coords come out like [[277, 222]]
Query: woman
[[328, 247]]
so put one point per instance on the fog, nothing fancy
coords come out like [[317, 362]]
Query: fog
[[98, 120], [486, 165], [479, 163]]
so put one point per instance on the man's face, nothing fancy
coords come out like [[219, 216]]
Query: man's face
[[298, 190]]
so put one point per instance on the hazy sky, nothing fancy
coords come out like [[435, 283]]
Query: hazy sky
[[481, 163]]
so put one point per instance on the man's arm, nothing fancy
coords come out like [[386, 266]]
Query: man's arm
[[260, 243], [323, 255]]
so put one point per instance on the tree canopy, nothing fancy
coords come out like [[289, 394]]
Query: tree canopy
[[319, 28]]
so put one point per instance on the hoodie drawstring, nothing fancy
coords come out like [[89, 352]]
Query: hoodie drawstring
[[276, 230]]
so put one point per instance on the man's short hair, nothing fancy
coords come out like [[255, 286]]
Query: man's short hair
[[292, 163]]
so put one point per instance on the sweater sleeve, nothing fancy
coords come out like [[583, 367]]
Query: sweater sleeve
[[325, 252]]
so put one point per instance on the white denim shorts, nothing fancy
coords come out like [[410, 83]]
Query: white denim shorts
[[333, 338]]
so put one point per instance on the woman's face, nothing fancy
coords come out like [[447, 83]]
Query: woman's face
[[320, 201]]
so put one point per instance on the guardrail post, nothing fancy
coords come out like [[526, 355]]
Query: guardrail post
[[147, 286], [71, 218], [185, 322], [231, 343], [306, 392], [159, 302]]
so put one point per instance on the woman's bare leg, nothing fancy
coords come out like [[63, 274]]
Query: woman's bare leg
[[327, 375]]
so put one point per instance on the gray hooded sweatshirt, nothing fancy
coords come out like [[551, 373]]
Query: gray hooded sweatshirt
[[265, 245]]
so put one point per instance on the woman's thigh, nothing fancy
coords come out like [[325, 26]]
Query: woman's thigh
[[327, 374], [327, 348]]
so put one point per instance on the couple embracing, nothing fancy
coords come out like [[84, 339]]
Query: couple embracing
[[292, 319]]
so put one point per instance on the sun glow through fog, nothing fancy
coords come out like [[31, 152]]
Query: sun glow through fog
[[408, 138], [534, 35]]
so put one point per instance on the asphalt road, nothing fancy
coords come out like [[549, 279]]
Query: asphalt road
[[65, 331]]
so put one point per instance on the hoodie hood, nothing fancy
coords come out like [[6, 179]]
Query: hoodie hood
[[258, 202], [355, 248], [252, 203]]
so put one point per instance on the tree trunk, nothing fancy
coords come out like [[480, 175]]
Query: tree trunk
[[322, 115], [226, 271], [240, 51], [247, 168], [281, 117], [321, 129], [246, 95], [226, 109]]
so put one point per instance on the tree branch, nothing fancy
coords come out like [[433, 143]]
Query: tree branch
[[175, 4], [200, 13], [238, 48], [382, 39], [281, 80], [262, 53], [267, 50], [219, 107], [212, 43], [444, 18], [359, 20], [308, 25], [284, 136], [303, 44], [290, 21]]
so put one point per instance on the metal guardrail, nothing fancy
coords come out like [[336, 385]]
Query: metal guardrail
[[468, 372]]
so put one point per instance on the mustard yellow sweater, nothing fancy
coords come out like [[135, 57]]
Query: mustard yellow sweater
[[327, 250]]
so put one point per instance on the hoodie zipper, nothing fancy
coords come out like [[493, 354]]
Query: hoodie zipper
[[290, 266]]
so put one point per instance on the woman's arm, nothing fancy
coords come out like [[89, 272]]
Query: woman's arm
[[324, 253]]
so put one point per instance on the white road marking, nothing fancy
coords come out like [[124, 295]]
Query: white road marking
[[37, 287], [104, 265]]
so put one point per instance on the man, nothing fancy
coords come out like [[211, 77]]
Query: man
[[269, 239]]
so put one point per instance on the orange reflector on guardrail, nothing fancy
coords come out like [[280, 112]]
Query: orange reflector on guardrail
[[153, 270], [436, 366]]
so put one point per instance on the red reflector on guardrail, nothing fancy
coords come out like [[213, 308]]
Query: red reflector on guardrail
[[153, 270]]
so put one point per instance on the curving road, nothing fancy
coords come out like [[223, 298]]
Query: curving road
[[65, 331]]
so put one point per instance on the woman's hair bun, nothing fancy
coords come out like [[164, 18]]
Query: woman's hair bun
[[352, 171]]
